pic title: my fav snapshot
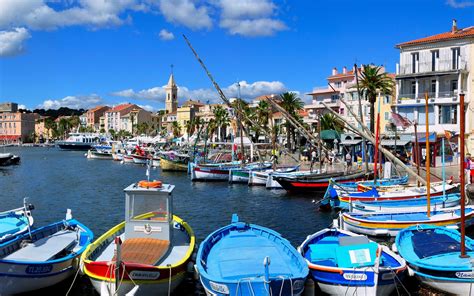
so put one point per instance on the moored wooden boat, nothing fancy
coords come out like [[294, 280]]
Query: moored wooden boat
[[99, 154], [43, 257], [155, 246], [389, 224], [173, 165], [127, 158], [140, 159], [343, 263], [432, 254], [15, 222], [247, 259], [317, 182]]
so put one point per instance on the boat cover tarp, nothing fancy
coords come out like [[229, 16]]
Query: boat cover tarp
[[429, 243]]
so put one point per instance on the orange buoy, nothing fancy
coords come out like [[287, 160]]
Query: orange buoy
[[150, 184]]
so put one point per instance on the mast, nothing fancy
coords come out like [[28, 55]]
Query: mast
[[359, 95], [427, 162], [377, 140], [239, 120], [462, 177], [417, 153], [319, 142]]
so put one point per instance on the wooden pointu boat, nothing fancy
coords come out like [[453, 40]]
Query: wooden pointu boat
[[155, 246]]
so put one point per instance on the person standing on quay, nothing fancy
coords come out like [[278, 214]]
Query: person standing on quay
[[348, 162], [467, 167], [313, 160]]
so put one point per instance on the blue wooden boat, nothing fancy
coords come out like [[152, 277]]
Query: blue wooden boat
[[389, 224], [15, 222], [352, 186], [42, 258], [343, 263], [247, 259], [432, 254], [408, 205]]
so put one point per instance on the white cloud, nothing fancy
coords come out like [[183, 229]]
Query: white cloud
[[457, 4], [11, 42], [250, 18], [74, 102], [248, 91], [166, 35], [147, 107], [36, 14], [186, 13]]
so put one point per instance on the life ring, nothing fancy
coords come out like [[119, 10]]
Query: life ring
[[150, 184]]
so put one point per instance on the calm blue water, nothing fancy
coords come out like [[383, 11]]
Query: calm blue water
[[55, 180]]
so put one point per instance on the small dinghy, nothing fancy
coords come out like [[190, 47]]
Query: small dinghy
[[433, 256], [389, 224], [42, 257], [148, 254], [343, 263], [409, 205], [15, 222], [247, 259]]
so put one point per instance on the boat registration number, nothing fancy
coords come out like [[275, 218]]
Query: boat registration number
[[144, 275], [464, 275], [355, 276], [39, 269]]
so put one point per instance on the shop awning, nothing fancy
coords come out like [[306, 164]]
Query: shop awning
[[431, 138], [329, 135]]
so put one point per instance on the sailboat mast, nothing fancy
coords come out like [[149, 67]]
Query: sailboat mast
[[461, 175], [377, 140], [417, 153], [427, 162]]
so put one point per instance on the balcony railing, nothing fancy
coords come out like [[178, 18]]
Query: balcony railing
[[427, 67], [431, 95]]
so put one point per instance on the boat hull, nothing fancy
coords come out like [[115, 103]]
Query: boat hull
[[151, 279], [75, 146], [117, 156], [448, 217], [316, 185], [209, 174], [127, 159], [138, 159], [238, 176], [99, 155], [168, 165]]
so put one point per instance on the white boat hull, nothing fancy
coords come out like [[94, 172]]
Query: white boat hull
[[117, 156], [271, 183], [152, 288], [137, 160], [20, 278], [203, 175], [256, 179], [381, 290], [128, 159], [155, 162], [451, 287]]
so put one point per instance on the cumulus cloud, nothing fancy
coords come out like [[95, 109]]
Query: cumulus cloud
[[250, 18], [11, 42], [38, 15], [248, 91], [74, 102], [166, 35], [186, 13], [460, 4]]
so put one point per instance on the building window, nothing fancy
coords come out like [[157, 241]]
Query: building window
[[386, 115], [422, 115], [413, 87], [448, 114], [454, 85], [414, 62], [334, 97], [456, 52], [338, 84], [433, 86], [434, 59], [407, 112], [386, 100]]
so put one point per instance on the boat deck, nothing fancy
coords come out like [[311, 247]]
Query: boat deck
[[241, 255], [46, 248], [175, 252], [12, 224]]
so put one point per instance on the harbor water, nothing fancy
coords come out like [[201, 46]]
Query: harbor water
[[56, 180]]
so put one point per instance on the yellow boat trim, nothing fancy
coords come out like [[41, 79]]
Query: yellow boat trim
[[85, 256]]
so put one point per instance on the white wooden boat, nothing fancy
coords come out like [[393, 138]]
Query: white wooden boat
[[43, 257], [99, 154], [154, 247], [127, 158], [15, 222]]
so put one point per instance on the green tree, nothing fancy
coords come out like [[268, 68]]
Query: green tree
[[190, 127], [176, 128], [74, 122], [112, 133], [221, 119], [64, 126], [331, 122], [374, 81], [262, 115], [50, 126], [142, 128], [292, 104]]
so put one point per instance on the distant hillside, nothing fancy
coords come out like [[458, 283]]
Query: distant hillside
[[55, 113]]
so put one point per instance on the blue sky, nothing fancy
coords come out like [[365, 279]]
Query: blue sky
[[80, 53]]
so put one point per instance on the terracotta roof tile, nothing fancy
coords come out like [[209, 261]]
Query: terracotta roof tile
[[121, 107], [459, 34]]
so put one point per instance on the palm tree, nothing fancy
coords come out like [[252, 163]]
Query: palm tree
[[262, 114], [221, 117], [190, 126], [63, 126], [176, 127], [331, 122], [50, 126], [74, 122], [374, 81], [292, 104]]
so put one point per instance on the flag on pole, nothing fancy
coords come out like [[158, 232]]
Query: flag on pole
[[448, 134], [399, 120]]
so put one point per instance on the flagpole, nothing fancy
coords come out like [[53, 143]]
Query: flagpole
[[443, 168], [417, 151]]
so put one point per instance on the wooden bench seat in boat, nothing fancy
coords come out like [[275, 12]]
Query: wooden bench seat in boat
[[46, 248], [143, 250]]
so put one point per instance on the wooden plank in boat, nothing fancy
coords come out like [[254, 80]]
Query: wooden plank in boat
[[143, 250]]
